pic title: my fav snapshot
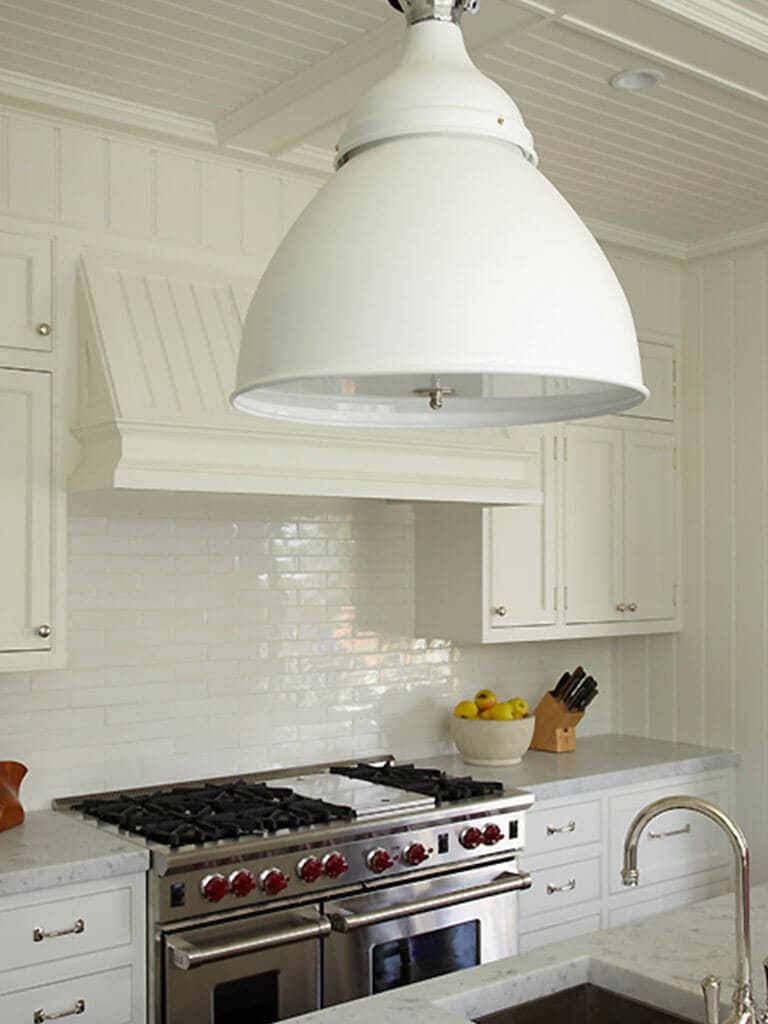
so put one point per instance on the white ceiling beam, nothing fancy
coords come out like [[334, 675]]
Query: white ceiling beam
[[280, 120]]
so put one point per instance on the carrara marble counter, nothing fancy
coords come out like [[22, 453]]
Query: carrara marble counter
[[51, 849], [660, 960], [599, 762]]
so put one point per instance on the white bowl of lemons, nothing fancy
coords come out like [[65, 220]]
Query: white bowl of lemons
[[488, 731]]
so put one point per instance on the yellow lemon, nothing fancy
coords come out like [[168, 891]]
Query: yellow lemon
[[517, 716], [486, 715], [466, 709], [520, 706], [502, 712], [485, 699]]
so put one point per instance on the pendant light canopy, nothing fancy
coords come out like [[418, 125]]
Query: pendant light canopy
[[439, 279]]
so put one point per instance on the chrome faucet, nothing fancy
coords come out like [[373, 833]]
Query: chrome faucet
[[743, 1010]]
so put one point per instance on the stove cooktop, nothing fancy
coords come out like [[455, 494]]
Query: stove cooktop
[[193, 814]]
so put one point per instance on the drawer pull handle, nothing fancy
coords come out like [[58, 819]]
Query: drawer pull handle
[[553, 830], [77, 929], [41, 1015], [673, 832], [565, 887]]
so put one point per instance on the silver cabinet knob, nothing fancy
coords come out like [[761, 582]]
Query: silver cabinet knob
[[44, 631], [500, 609], [632, 607], [621, 607], [44, 329]]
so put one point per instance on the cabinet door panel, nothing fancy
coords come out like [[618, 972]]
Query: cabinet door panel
[[521, 550], [649, 525], [592, 509], [658, 362], [25, 291], [25, 509]]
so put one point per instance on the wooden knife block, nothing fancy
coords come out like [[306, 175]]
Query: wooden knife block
[[555, 728]]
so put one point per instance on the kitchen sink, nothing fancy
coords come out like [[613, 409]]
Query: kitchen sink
[[584, 1004]]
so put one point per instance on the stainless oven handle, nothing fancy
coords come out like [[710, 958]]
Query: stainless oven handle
[[187, 956], [343, 921]]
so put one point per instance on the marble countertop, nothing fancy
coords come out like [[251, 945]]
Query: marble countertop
[[51, 849], [599, 762], [660, 960]]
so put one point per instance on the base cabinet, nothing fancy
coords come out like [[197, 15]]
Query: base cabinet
[[75, 950], [574, 852]]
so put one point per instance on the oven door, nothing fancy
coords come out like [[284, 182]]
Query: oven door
[[405, 933], [261, 968]]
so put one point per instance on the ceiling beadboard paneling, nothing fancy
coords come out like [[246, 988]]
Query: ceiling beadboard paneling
[[200, 58]]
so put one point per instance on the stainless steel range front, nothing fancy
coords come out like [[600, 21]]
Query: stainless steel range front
[[275, 896]]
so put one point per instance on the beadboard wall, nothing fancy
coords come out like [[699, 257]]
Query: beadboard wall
[[216, 635], [710, 684]]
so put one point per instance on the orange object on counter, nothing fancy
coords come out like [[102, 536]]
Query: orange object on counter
[[11, 811]]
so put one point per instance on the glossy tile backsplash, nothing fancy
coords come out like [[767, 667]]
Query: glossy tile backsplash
[[212, 635]]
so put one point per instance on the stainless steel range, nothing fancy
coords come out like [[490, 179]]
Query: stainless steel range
[[275, 896]]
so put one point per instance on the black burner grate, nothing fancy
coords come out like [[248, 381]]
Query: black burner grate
[[446, 789], [202, 814]]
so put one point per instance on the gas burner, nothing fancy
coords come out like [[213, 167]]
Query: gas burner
[[445, 789], [192, 815]]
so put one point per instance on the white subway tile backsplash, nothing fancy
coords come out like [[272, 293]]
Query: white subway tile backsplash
[[216, 635]]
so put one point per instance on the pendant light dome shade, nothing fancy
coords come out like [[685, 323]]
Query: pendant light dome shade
[[438, 280]]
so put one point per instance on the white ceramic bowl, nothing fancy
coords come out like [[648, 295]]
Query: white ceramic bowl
[[492, 743]]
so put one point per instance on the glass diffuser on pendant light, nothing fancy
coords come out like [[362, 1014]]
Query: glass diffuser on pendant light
[[438, 279]]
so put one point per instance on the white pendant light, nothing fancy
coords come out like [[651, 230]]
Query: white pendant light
[[439, 279]]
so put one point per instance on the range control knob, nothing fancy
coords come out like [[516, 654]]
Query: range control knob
[[335, 864], [214, 888], [471, 838], [492, 834], [242, 882], [273, 881], [309, 869], [378, 860], [415, 854]]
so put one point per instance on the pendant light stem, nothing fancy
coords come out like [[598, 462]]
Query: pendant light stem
[[434, 10]]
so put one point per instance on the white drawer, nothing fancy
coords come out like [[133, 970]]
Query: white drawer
[[105, 998], [675, 844], [90, 923], [561, 826], [560, 886]]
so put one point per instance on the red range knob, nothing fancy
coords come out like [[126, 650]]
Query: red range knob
[[492, 834], [273, 881], [214, 888], [471, 838], [242, 882], [335, 865], [309, 869], [378, 860], [415, 854]]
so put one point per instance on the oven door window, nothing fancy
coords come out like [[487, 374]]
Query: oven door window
[[255, 999], [423, 956]]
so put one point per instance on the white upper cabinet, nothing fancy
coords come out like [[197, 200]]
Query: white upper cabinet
[[660, 377], [593, 529], [25, 512], [650, 526], [25, 293], [620, 526]]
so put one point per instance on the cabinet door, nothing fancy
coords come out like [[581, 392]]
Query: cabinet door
[[521, 552], [25, 292], [25, 510], [659, 374], [650, 550], [592, 514]]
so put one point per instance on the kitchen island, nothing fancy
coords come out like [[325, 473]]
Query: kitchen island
[[659, 960]]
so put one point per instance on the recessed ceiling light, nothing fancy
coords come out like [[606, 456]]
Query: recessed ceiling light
[[636, 79]]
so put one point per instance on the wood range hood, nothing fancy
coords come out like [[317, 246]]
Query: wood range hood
[[158, 348]]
